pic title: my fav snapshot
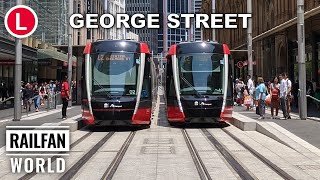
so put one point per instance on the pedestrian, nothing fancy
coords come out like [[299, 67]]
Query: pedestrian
[[283, 95], [247, 98], [4, 91], [317, 95], [36, 94], [240, 89], [65, 95], [261, 97], [289, 96], [275, 96], [27, 95], [42, 93], [250, 86]]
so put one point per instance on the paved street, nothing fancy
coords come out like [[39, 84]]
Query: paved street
[[191, 152]]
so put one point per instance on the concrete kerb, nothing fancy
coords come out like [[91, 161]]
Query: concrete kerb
[[267, 130], [314, 119], [75, 123], [248, 124], [243, 122]]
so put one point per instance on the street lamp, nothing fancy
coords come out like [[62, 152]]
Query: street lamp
[[301, 61], [249, 36], [70, 31], [18, 77]]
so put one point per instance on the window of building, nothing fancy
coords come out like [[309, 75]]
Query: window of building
[[79, 7]]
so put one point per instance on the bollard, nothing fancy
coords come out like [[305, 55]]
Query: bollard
[[48, 101]]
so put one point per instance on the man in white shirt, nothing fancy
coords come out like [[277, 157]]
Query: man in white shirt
[[289, 87], [283, 95], [250, 86]]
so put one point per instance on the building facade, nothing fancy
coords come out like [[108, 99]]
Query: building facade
[[274, 37], [132, 36], [144, 7], [115, 7], [195, 34], [167, 36]]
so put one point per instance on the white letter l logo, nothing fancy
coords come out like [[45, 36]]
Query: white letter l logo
[[18, 23]]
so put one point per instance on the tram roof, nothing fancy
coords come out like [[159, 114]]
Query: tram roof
[[198, 47], [101, 46]]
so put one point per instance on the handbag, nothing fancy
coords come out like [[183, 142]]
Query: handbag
[[247, 100]]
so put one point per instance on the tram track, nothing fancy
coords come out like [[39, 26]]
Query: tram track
[[109, 173], [237, 167], [267, 162], [202, 170], [54, 158], [77, 166]]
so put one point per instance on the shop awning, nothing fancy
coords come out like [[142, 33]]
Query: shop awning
[[52, 54]]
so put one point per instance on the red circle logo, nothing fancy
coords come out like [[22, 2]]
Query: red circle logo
[[240, 64], [21, 21]]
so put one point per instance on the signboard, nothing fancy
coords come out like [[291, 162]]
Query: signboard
[[21, 21], [240, 64]]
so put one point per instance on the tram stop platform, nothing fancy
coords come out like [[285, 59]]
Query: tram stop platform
[[295, 128]]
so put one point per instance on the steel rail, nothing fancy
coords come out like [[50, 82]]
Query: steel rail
[[202, 170], [267, 162], [242, 172], [77, 166], [54, 158], [112, 168]]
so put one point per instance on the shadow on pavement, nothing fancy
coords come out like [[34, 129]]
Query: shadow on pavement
[[202, 125], [114, 128]]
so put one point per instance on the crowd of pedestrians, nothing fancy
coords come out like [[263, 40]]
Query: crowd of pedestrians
[[37, 94], [278, 93]]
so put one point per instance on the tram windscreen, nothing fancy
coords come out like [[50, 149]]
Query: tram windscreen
[[115, 74], [201, 73]]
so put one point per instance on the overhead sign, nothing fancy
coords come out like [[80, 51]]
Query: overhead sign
[[21, 21]]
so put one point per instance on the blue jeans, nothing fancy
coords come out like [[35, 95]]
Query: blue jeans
[[37, 102]]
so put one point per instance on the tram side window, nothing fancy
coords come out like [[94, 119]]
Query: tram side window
[[146, 87], [169, 82], [230, 83], [83, 81]]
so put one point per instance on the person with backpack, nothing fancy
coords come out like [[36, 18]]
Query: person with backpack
[[65, 96], [261, 97], [275, 96]]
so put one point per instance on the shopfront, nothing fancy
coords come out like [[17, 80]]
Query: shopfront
[[7, 62]]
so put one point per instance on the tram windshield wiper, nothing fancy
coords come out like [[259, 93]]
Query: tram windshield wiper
[[103, 89], [190, 85]]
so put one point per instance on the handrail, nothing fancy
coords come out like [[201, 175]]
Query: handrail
[[318, 100], [6, 100]]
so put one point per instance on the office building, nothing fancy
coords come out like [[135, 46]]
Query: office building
[[167, 36], [275, 51], [144, 7]]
